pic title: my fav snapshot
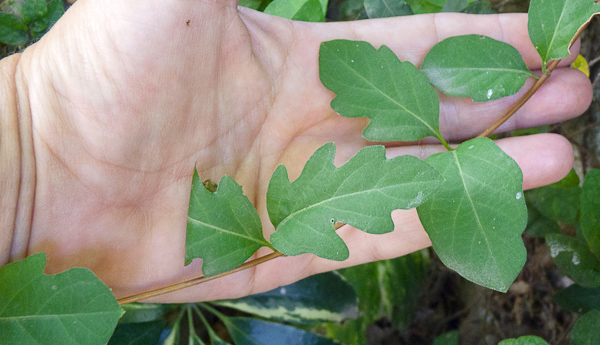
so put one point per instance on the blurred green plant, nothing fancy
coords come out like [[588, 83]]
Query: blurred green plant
[[27, 20]]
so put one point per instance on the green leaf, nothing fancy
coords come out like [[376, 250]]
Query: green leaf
[[363, 193], [248, 331], [139, 333], [144, 312], [586, 330], [426, 6], [476, 219], [304, 10], [56, 9], [12, 31], [486, 71], [556, 203], [539, 225], [73, 307], [319, 298], [553, 23], [448, 338], [374, 83], [590, 210], [525, 340], [578, 299], [574, 259], [33, 9], [253, 4], [386, 8], [223, 227]]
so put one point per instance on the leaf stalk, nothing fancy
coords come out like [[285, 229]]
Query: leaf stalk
[[196, 281]]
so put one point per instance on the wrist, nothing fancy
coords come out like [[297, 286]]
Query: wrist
[[17, 164]]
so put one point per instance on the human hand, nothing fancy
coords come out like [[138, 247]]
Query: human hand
[[127, 96]]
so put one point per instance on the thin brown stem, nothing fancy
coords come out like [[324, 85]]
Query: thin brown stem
[[521, 101], [196, 281]]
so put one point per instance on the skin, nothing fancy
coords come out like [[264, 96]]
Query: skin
[[126, 97]]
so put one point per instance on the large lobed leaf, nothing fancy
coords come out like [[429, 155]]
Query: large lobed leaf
[[553, 23], [486, 71], [374, 83], [363, 193], [223, 227], [73, 307], [476, 218]]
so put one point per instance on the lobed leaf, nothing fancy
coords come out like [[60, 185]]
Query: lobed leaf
[[486, 71], [363, 193], [590, 210], [325, 297], [374, 83], [72, 307], [386, 8], [223, 227], [552, 24], [574, 259], [476, 218]]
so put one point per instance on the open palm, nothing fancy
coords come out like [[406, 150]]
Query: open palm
[[126, 97]]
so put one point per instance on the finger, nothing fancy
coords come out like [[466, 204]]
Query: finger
[[412, 37], [566, 94]]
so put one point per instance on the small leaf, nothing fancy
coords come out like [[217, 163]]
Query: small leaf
[[586, 330], [363, 193], [574, 259], [223, 227], [486, 71], [448, 338], [578, 299], [426, 6], [12, 31], [72, 307], [304, 10], [590, 210], [476, 219], [553, 23], [525, 340], [387, 8], [374, 83], [139, 333], [320, 298], [250, 331]]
